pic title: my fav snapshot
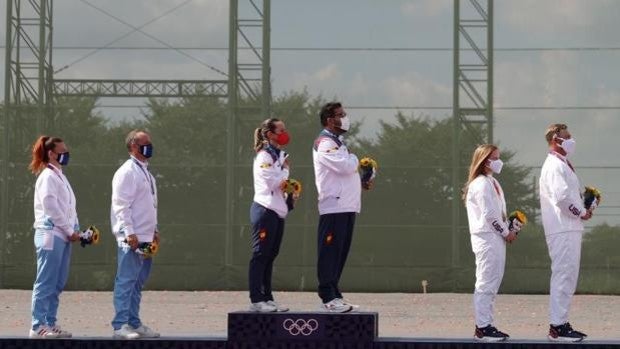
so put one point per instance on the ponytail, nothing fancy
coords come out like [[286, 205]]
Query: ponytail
[[40, 148], [259, 141], [260, 134]]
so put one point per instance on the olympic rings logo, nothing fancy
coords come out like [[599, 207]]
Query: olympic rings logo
[[300, 326]]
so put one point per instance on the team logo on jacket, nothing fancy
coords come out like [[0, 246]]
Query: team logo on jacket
[[262, 234], [497, 226], [574, 210], [329, 238]]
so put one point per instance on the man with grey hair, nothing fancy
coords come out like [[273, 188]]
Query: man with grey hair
[[134, 221]]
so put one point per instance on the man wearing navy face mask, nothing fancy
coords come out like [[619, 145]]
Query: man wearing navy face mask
[[134, 220], [563, 212]]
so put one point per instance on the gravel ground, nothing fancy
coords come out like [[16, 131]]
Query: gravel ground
[[441, 315]]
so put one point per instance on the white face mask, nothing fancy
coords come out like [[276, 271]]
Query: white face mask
[[568, 145], [345, 124], [496, 165]]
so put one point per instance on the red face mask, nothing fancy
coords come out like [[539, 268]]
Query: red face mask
[[283, 138]]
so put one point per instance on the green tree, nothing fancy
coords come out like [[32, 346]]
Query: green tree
[[600, 247], [414, 156]]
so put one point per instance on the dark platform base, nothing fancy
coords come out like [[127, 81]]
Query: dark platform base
[[222, 343], [303, 326], [295, 331]]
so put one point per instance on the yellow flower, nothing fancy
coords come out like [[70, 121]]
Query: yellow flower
[[291, 186], [154, 247], [368, 162], [520, 216], [595, 192], [296, 186], [284, 186], [96, 234]]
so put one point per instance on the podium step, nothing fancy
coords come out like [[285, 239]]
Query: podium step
[[358, 327]]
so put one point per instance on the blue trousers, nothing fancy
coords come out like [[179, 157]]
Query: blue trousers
[[267, 232], [334, 241], [53, 258], [132, 272]]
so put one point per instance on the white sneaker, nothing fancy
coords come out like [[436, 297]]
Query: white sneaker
[[279, 308], [346, 302], [43, 332], [336, 306], [126, 332], [60, 332], [262, 307], [145, 332]]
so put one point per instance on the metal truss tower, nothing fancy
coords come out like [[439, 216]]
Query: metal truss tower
[[28, 75], [249, 75], [30, 82], [472, 92]]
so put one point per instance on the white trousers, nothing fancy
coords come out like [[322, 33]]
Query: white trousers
[[565, 253], [490, 251]]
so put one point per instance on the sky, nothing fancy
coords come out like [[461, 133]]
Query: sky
[[541, 78]]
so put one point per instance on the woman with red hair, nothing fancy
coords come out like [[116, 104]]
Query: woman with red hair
[[56, 226]]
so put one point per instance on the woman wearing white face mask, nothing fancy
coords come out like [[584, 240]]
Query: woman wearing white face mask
[[488, 225]]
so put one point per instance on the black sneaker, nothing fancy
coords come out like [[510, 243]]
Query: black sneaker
[[565, 333], [490, 334]]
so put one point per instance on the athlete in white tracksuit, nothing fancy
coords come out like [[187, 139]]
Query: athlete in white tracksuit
[[490, 230], [486, 213], [562, 211], [339, 187], [561, 208], [56, 226]]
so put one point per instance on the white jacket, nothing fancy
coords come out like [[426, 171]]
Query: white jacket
[[561, 205], [486, 206], [269, 172], [336, 175], [54, 204], [134, 202]]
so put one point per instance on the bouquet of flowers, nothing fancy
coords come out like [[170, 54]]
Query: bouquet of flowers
[[516, 217], [89, 236], [292, 191], [368, 171], [291, 187], [147, 249], [591, 198]]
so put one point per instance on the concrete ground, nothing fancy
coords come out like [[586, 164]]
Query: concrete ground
[[400, 315]]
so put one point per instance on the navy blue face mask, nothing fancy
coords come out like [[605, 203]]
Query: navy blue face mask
[[63, 158], [146, 150]]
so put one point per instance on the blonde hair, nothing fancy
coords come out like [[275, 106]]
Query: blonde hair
[[478, 163], [260, 134], [553, 130]]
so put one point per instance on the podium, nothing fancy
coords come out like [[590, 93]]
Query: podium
[[302, 330]]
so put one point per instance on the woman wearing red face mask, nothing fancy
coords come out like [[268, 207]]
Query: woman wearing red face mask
[[268, 211]]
